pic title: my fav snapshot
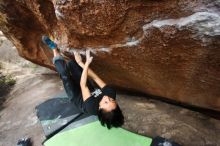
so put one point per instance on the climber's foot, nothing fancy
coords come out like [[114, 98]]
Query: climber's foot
[[47, 41]]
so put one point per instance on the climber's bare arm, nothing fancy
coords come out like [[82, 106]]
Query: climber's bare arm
[[91, 73], [85, 90]]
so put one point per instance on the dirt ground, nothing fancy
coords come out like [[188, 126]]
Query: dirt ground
[[142, 115]]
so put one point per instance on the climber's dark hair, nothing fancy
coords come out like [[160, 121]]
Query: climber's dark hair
[[113, 118]]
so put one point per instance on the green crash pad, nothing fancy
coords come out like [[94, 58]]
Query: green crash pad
[[93, 134]]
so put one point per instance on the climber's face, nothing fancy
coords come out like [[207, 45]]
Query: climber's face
[[107, 104]]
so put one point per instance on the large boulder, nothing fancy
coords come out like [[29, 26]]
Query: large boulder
[[164, 48]]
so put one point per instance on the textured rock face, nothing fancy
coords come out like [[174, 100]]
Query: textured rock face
[[165, 48]]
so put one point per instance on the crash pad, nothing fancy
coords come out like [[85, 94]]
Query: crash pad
[[65, 125], [56, 112], [93, 134]]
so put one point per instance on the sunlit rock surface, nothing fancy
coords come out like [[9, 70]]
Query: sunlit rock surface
[[164, 48]]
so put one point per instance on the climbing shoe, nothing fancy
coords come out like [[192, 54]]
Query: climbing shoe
[[46, 40], [24, 142]]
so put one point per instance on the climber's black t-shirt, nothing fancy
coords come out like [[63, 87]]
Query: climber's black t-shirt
[[91, 105]]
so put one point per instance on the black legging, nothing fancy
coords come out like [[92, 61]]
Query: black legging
[[70, 74]]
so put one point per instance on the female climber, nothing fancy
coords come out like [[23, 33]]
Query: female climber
[[99, 101]]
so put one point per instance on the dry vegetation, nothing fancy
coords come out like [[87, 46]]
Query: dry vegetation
[[6, 83]]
